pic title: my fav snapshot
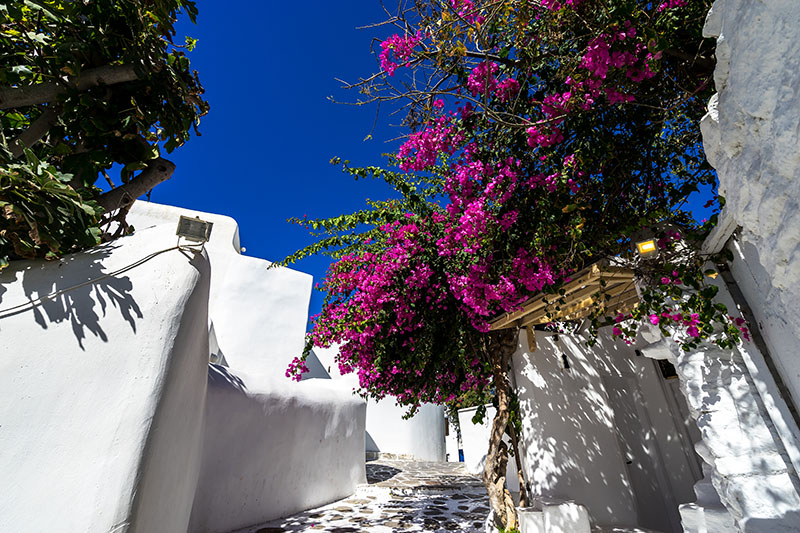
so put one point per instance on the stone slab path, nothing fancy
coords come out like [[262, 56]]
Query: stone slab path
[[400, 496]]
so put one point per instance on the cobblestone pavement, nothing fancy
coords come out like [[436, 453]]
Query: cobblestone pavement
[[400, 496]]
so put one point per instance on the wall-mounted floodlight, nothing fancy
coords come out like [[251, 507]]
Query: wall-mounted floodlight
[[647, 248], [194, 229]]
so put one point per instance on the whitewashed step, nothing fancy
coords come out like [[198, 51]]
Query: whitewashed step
[[530, 520], [700, 519], [554, 516]]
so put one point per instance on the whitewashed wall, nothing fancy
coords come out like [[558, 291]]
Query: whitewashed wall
[[421, 437], [605, 433], [103, 389], [112, 416], [452, 444], [751, 136], [272, 447], [475, 443], [275, 447]]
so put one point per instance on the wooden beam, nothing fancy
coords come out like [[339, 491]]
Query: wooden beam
[[623, 300], [582, 300], [578, 298], [530, 333], [542, 300]]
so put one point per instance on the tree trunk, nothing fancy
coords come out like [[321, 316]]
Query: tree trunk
[[157, 170], [523, 489], [501, 347]]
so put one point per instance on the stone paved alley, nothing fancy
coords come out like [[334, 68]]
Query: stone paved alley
[[400, 496]]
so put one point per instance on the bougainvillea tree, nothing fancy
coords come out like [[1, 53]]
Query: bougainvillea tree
[[544, 135], [84, 86]]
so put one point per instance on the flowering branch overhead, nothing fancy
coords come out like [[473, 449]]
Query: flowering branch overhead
[[542, 136]]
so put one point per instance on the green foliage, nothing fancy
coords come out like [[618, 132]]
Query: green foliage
[[48, 49], [41, 213]]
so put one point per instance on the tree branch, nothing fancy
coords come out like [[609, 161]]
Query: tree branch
[[703, 62], [35, 132], [157, 171], [11, 97]]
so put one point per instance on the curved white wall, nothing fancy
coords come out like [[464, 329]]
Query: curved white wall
[[274, 448], [420, 437], [103, 389]]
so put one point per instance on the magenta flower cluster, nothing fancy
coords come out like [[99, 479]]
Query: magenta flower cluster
[[402, 282], [466, 10], [482, 79], [403, 49], [422, 148], [555, 5], [296, 369], [670, 4]]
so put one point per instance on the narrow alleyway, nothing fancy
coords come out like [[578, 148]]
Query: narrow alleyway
[[400, 496]]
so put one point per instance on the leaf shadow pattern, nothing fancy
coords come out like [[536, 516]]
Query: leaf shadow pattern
[[77, 289], [606, 431]]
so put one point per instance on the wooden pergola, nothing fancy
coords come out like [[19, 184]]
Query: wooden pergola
[[601, 285]]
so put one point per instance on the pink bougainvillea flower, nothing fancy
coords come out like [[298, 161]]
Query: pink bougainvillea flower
[[402, 47]]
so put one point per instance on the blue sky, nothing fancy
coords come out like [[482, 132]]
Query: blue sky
[[266, 144]]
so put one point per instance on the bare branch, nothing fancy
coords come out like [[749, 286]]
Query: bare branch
[[12, 97]]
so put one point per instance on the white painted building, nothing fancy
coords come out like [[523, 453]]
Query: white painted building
[[114, 420], [388, 434], [615, 440]]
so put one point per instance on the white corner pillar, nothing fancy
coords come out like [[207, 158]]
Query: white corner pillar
[[746, 460]]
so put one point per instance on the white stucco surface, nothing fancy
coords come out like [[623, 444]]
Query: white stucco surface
[[103, 389], [275, 447], [751, 136], [258, 314], [451, 443], [607, 433], [475, 443], [113, 418], [748, 437], [421, 437], [271, 446]]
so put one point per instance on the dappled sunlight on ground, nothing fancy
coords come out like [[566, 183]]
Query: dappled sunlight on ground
[[400, 496]]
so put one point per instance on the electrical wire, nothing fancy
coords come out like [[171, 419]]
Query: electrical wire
[[30, 304]]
